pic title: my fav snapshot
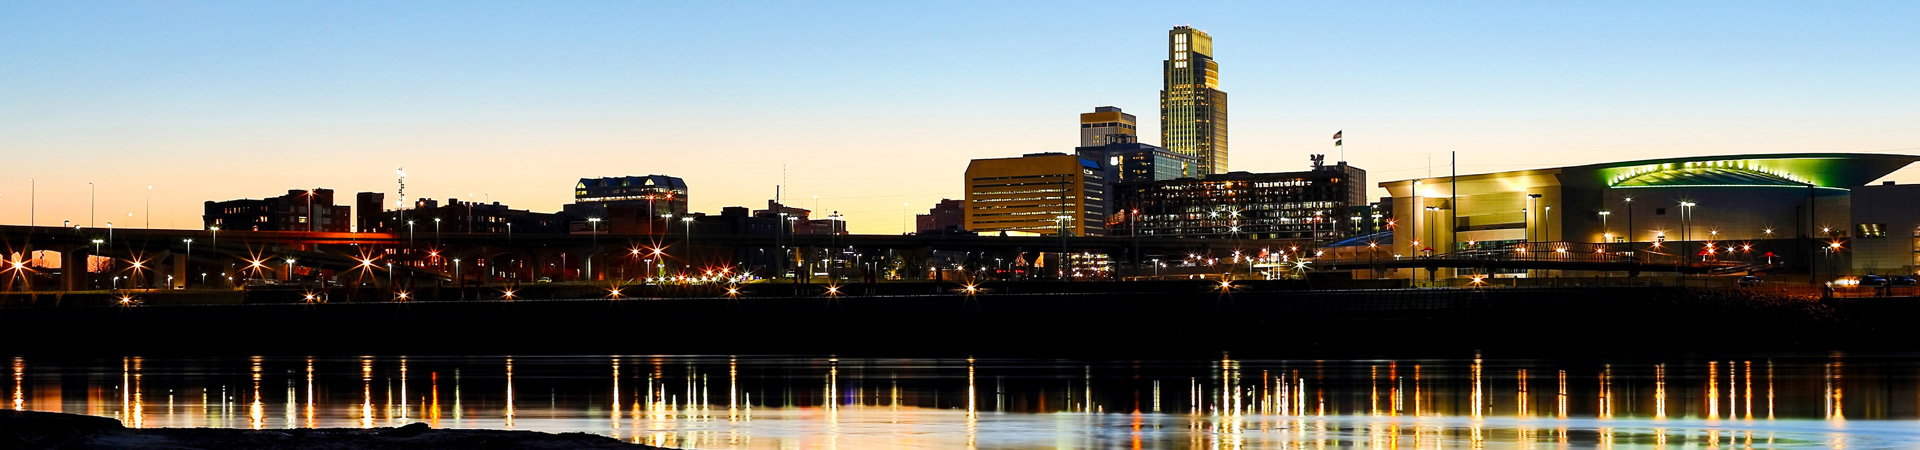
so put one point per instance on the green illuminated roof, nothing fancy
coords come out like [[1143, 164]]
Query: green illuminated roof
[[1706, 176], [1831, 170]]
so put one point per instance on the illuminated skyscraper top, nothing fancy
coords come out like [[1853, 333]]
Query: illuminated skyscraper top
[[1193, 110]]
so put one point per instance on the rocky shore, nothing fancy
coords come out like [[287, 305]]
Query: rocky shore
[[44, 430]]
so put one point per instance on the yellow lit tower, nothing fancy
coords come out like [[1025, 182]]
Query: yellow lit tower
[[1193, 110]]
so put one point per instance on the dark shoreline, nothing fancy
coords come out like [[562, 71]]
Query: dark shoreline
[[32, 429], [1192, 322]]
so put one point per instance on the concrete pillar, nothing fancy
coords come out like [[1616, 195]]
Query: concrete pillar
[[73, 269], [178, 267]]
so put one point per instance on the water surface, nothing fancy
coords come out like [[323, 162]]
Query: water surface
[[1831, 402]]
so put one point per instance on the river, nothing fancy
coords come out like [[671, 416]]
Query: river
[[718, 402]]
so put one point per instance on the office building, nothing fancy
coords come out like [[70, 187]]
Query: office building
[[299, 210], [1106, 125], [1310, 206], [658, 195], [1036, 194], [1193, 109], [1133, 163]]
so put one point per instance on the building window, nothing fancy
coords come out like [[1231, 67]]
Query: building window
[[1871, 230]]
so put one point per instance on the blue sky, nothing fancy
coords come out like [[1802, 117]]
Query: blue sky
[[876, 107]]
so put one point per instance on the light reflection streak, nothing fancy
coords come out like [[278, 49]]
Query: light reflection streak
[[1520, 396], [366, 393], [1561, 400], [1713, 390], [256, 411], [1749, 390], [139, 398], [1606, 392], [1476, 401], [614, 405], [19, 374], [310, 406], [1660, 391], [509, 393], [1835, 409], [404, 405]]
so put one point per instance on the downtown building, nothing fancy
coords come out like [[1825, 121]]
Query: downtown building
[[299, 210], [456, 217], [1046, 194], [1309, 206], [1193, 109]]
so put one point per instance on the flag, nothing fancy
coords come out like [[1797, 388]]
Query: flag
[[1336, 143], [1336, 134]]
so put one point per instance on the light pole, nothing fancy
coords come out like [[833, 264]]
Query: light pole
[[458, 281], [595, 239], [1606, 234], [436, 232], [149, 206], [92, 204], [289, 275], [189, 263], [109, 233], [1686, 225], [1630, 229]]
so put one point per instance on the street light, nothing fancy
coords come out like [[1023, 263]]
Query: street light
[[436, 231], [409, 233], [289, 274], [189, 242], [595, 238]]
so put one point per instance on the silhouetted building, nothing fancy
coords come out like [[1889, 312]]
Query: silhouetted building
[[367, 209], [299, 210], [460, 217], [1193, 110], [1039, 193], [656, 194], [948, 214], [1106, 125], [801, 220]]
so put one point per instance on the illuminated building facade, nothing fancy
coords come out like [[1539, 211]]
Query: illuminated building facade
[[1106, 125], [1133, 163], [657, 194], [1193, 109], [284, 213], [1309, 206], [1037, 194], [1647, 205]]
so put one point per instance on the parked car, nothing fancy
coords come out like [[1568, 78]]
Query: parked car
[[1872, 280], [1751, 280], [1901, 280]]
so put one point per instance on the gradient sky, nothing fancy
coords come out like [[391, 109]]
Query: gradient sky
[[876, 107]]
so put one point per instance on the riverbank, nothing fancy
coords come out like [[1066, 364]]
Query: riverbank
[[1189, 320], [31, 429]]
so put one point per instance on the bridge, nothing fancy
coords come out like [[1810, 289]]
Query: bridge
[[148, 257], [171, 258]]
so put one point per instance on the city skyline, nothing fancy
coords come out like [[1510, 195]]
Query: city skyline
[[220, 102]]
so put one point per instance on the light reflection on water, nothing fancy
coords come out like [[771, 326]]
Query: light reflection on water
[[997, 403]]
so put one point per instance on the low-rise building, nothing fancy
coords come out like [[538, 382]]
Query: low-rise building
[[299, 210]]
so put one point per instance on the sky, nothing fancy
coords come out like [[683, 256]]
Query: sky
[[876, 107]]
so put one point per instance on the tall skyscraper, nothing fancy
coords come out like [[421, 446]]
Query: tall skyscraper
[[1193, 110], [1106, 125]]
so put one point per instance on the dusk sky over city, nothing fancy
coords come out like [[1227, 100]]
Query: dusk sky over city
[[876, 108]]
